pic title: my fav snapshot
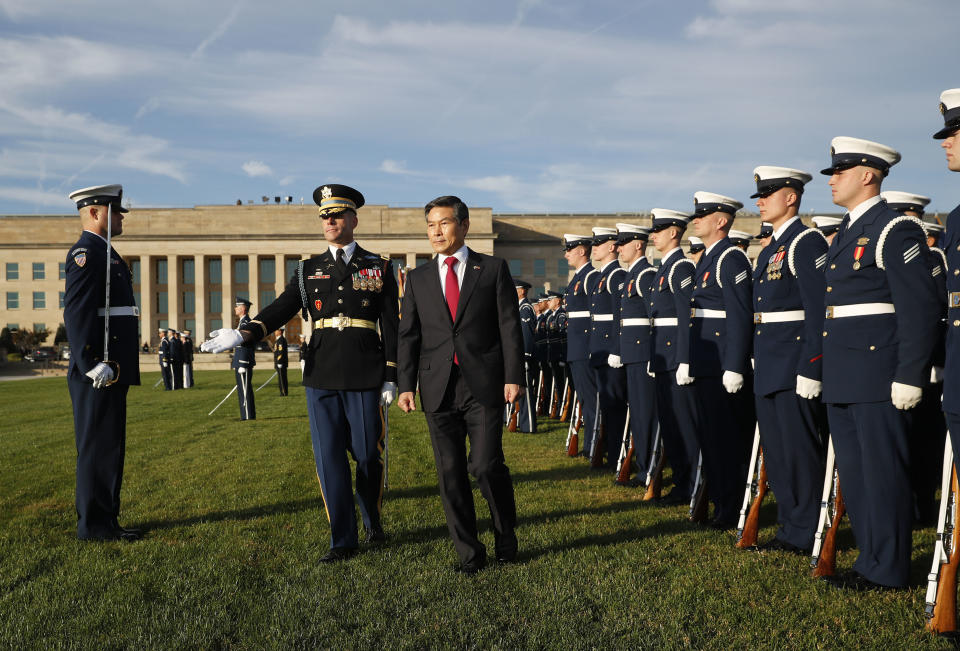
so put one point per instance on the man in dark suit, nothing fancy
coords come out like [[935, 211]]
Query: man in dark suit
[[280, 360], [176, 358], [99, 379], [460, 336]]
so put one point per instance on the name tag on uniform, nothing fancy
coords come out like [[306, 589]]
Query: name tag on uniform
[[318, 277]]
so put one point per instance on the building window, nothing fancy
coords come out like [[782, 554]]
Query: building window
[[241, 270], [214, 302], [13, 327], [216, 324], [214, 270], [187, 269], [39, 300], [161, 272], [563, 268], [291, 267], [162, 324], [267, 297], [135, 272], [539, 267], [242, 294], [190, 324], [13, 271], [39, 327], [516, 268], [62, 295], [62, 270], [39, 271], [422, 259], [189, 302], [161, 302], [268, 271], [13, 300]]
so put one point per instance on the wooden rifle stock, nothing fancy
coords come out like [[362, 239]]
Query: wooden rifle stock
[[623, 475], [599, 442], [941, 599], [567, 403], [554, 402], [540, 397], [748, 536], [573, 437], [655, 485], [514, 411], [827, 562]]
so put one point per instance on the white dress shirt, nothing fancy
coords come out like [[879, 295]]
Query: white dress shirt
[[459, 268], [863, 207], [347, 251], [783, 227]]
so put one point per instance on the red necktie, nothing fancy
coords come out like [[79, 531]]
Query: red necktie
[[452, 291]]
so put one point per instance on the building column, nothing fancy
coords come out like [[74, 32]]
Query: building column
[[200, 296], [226, 291], [173, 293], [280, 280], [253, 283], [412, 260], [148, 321]]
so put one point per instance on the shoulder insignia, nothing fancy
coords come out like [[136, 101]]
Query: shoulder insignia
[[80, 258], [791, 254], [893, 223], [723, 256]]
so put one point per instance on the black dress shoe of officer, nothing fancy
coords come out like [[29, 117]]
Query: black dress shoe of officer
[[777, 545], [108, 535], [471, 568], [338, 554], [856, 582], [374, 536], [673, 499]]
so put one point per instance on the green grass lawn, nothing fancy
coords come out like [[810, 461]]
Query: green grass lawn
[[236, 525]]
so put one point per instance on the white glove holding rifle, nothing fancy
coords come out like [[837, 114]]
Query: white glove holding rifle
[[101, 374]]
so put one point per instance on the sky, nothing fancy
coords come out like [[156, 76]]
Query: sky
[[526, 106]]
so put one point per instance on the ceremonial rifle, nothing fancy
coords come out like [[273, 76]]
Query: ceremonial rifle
[[540, 396], [554, 400], [599, 438], [698, 501], [230, 393], [567, 402], [824, 558], [266, 383], [654, 479], [756, 490], [941, 601], [626, 453], [512, 423], [573, 437]]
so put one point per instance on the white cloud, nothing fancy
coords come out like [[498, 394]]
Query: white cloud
[[36, 196], [257, 168], [393, 167], [220, 30]]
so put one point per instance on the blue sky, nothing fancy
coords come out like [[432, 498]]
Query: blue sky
[[532, 105]]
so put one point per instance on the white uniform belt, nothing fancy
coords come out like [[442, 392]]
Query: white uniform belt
[[858, 309], [578, 315], [665, 321], [639, 321], [697, 313], [778, 317], [602, 317], [119, 310]]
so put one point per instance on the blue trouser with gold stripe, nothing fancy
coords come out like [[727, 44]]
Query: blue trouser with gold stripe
[[342, 421]]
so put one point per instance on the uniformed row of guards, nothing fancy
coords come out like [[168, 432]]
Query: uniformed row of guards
[[175, 355]]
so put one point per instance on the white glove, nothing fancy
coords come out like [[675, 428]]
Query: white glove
[[562, 364], [936, 374], [242, 370], [905, 396], [807, 388], [100, 374], [732, 381], [221, 340], [683, 375], [165, 365], [388, 393], [649, 372], [613, 361]]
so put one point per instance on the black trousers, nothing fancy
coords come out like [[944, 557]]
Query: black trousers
[[177, 370], [459, 417], [282, 379], [100, 430], [166, 372], [679, 417], [248, 409]]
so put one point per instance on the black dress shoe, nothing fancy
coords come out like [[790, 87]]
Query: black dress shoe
[[338, 554], [469, 569], [673, 500], [856, 582], [721, 524], [777, 545], [374, 536]]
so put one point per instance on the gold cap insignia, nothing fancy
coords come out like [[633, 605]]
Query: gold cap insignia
[[756, 178], [863, 241], [326, 192]]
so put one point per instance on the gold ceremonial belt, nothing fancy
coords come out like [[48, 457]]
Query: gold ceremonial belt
[[341, 322]]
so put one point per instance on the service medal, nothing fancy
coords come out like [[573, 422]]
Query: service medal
[[858, 252]]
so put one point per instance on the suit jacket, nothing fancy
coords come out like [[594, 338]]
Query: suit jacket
[[485, 336]]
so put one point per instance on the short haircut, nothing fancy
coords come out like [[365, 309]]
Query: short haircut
[[460, 210]]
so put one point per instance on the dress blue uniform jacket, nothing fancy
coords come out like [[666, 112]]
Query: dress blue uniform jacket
[[84, 296], [722, 282], [556, 325], [540, 336], [244, 356], [578, 301], [862, 355], [670, 298], [528, 321], [605, 300], [951, 380], [633, 344], [788, 277], [163, 351]]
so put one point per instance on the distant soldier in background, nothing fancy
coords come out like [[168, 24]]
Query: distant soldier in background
[[696, 248], [740, 239], [577, 253], [187, 359], [556, 332], [163, 352], [244, 359], [280, 361], [765, 234], [526, 412], [176, 358], [540, 343], [828, 226]]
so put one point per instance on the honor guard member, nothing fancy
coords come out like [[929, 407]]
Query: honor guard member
[[540, 342], [696, 248], [604, 335], [176, 358], [882, 313], [556, 328], [526, 414], [633, 342], [669, 303], [244, 359], [187, 359], [577, 253], [928, 427], [163, 352], [766, 232], [788, 291], [827, 225], [740, 239], [280, 361], [950, 137], [934, 231], [351, 369], [99, 379], [717, 354]]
